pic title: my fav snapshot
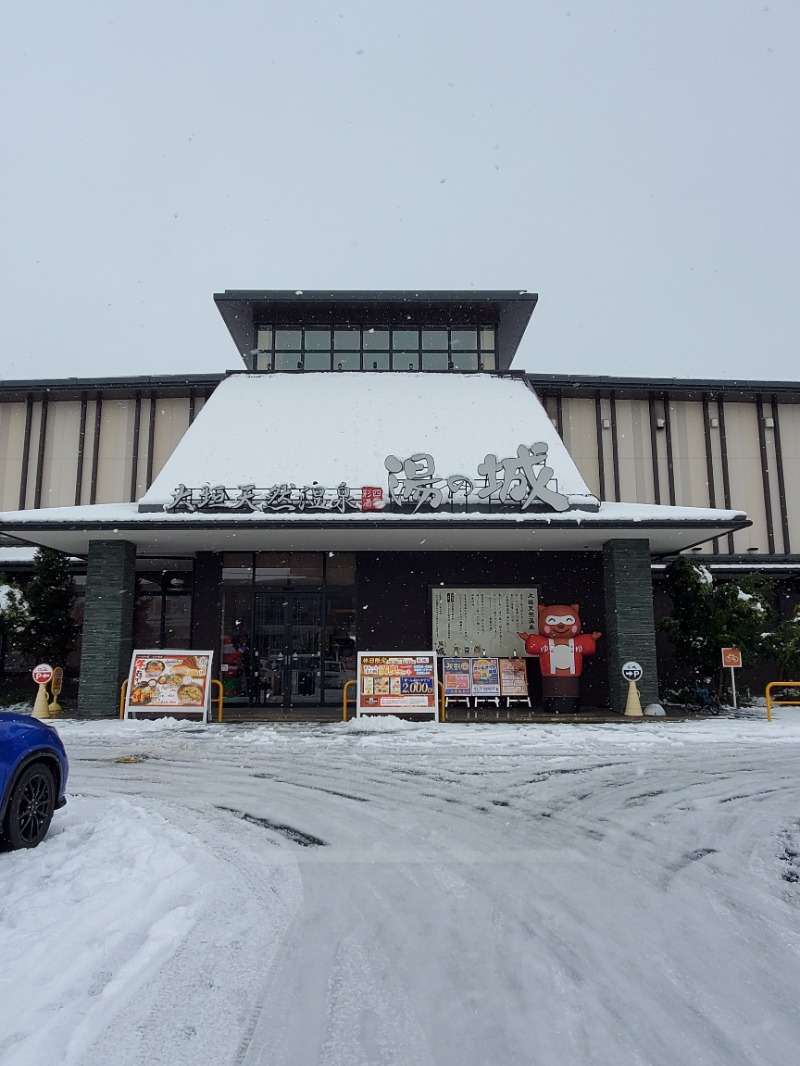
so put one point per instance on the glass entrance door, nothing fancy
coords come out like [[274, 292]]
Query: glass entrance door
[[287, 649]]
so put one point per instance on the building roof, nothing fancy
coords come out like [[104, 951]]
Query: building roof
[[276, 431]]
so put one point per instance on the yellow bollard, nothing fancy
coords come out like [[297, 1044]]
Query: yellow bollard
[[633, 706], [55, 688], [40, 706], [42, 674]]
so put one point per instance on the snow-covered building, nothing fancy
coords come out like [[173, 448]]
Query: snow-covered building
[[377, 455]]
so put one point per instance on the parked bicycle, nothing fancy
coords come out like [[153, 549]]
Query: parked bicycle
[[703, 697]]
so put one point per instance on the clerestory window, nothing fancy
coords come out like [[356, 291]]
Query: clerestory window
[[375, 348]]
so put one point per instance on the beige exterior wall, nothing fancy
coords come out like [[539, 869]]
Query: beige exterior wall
[[580, 437], [789, 430], [172, 421], [744, 465], [636, 479], [115, 451], [680, 426], [12, 446], [104, 477], [60, 467]]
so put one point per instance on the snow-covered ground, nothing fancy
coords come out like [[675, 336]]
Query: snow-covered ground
[[392, 893]]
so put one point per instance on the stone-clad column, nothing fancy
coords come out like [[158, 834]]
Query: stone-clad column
[[629, 623], [207, 605], [107, 626]]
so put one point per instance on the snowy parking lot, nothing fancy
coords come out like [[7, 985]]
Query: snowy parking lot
[[391, 893]]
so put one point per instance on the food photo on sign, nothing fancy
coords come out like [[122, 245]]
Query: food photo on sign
[[173, 680]]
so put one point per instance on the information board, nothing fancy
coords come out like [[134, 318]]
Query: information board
[[169, 680], [483, 621], [392, 682]]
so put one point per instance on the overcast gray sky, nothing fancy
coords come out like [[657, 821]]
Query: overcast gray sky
[[635, 162]]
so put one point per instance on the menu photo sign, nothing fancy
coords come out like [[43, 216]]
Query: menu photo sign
[[457, 677], [484, 677], [392, 682], [167, 681], [513, 678]]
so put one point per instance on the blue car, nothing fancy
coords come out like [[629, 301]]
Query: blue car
[[33, 779]]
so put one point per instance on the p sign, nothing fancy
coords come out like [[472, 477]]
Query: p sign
[[632, 671], [42, 673]]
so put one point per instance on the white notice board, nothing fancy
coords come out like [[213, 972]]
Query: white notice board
[[483, 621]]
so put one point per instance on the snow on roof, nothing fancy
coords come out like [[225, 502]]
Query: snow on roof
[[270, 429], [126, 513]]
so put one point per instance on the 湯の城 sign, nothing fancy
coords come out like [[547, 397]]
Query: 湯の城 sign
[[397, 682]]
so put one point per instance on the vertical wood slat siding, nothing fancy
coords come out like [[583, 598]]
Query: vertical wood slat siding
[[98, 416], [137, 419], [726, 474], [670, 459], [81, 450], [151, 439], [762, 447], [712, 488], [651, 406], [601, 460], [787, 545], [614, 446], [26, 453], [37, 490]]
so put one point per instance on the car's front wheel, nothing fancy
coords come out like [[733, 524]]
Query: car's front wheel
[[30, 807]]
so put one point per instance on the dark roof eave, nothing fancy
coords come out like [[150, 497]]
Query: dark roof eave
[[241, 309]]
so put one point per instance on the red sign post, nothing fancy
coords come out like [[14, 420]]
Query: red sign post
[[732, 657]]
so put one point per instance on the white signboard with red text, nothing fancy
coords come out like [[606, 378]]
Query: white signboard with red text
[[397, 682]]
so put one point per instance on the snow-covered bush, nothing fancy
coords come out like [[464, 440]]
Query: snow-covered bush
[[38, 620], [709, 614]]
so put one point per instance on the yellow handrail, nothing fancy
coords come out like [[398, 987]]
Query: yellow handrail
[[347, 685], [218, 698], [780, 703], [442, 702]]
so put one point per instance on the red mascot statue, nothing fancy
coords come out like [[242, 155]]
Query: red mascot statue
[[560, 647]]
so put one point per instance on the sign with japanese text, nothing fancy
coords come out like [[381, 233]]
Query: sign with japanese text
[[483, 621], [167, 680], [486, 677], [518, 482], [57, 681], [513, 677], [397, 682], [632, 671], [42, 673], [457, 677]]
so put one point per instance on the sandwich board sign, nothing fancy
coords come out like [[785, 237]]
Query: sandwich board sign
[[397, 682], [168, 681]]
